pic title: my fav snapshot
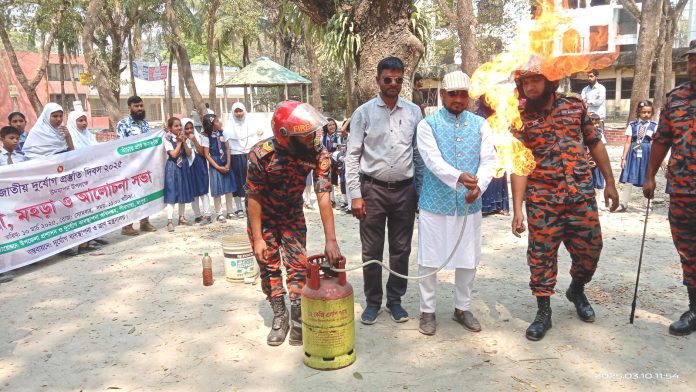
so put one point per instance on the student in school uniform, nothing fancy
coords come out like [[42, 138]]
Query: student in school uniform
[[177, 182], [217, 152], [200, 182], [10, 154]]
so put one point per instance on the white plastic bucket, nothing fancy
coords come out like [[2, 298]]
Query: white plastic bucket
[[240, 263]]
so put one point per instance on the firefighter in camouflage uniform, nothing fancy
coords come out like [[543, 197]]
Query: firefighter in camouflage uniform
[[559, 192], [676, 131], [278, 168]]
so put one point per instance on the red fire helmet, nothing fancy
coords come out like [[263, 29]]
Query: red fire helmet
[[293, 118]]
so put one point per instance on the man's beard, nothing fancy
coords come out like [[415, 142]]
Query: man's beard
[[537, 104], [455, 112], [299, 149], [138, 116]]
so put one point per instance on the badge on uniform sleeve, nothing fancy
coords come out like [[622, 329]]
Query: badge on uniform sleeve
[[267, 146], [324, 165]]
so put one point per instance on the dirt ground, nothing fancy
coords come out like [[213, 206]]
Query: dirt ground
[[135, 316]]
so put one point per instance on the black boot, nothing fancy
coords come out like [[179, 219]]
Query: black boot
[[542, 321], [295, 324], [280, 324], [687, 322], [576, 295]]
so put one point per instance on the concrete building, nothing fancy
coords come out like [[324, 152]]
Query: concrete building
[[13, 97], [622, 31]]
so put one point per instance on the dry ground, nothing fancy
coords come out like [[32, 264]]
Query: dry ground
[[135, 317]]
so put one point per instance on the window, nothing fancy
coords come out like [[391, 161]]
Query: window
[[53, 71], [572, 42], [576, 85], [626, 87], [599, 38], [627, 25], [154, 110], [610, 85], [97, 108], [69, 98]]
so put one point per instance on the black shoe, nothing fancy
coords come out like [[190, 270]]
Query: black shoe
[[280, 324], [542, 321], [86, 249], [295, 325], [100, 241], [5, 277], [198, 220], [576, 295], [685, 325]]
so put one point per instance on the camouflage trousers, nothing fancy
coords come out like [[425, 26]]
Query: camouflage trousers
[[682, 222], [576, 225], [286, 240]]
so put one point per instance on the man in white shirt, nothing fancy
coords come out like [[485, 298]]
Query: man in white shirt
[[380, 169], [459, 160], [595, 95]]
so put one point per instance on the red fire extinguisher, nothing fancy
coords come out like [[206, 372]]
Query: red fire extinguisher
[[328, 322]]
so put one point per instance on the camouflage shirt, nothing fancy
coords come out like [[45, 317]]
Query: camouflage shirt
[[557, 139], [676, 130], [280, 178]]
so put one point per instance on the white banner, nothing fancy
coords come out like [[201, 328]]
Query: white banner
[[58, 202]]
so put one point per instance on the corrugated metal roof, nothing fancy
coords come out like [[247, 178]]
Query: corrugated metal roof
[[264, 72]]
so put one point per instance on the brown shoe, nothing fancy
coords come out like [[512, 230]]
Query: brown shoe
[[427, 324], [467, 320], [170, 226], [147, 226], [129, 231], [183, 221]]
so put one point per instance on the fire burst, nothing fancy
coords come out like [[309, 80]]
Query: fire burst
[[552, 38]]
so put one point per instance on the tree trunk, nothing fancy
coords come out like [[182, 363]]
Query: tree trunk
[[669, 27], [183, 62], [222, 77], [72, 79], [645, 51], [314, 69], [98, 71], [288, 47], [212, 85], [350, 91], [661, 51], [245, 51], [133, 91], [380, 40], [61, 64], [29, 86], [185, 107], [463, 19], [168, 90]]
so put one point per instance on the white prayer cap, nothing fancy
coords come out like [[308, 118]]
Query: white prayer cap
[[456, 80]]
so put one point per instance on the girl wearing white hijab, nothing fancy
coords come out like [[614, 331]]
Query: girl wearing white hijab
[[77, 126], [82, 138], [241, 139], [48, 137]]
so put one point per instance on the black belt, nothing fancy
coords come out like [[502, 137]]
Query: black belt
[[388, 184]]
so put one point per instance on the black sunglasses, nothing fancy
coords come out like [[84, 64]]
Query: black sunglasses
[[461, 93], [388, 80]]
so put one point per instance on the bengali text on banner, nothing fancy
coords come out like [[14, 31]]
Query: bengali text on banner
[[56, 203]]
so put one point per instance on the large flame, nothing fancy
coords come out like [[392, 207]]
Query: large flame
[[562, 51]]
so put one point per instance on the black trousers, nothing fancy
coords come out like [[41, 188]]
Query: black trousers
[[395, 209]]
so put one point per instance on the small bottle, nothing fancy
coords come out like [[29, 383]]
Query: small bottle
[[207, 270]]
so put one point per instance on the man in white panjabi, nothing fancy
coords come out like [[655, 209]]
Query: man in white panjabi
[[460, 160]]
